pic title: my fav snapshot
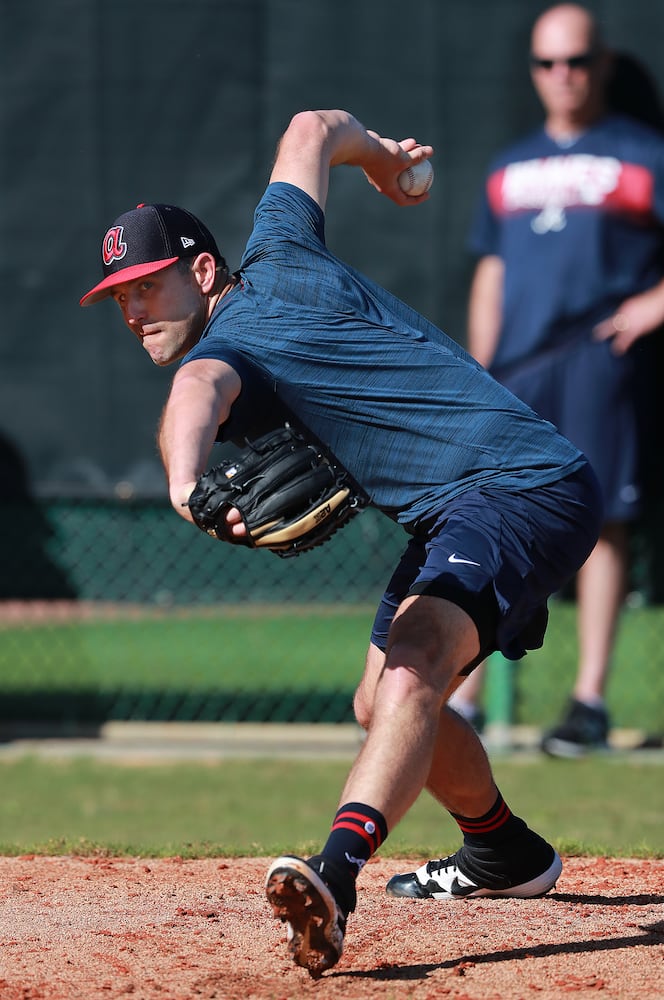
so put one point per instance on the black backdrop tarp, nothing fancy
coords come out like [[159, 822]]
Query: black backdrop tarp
[[106, 104]]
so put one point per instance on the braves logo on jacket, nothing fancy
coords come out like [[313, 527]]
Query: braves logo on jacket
[[553, 184]]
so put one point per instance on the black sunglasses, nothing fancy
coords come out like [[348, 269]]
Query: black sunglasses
[[583, 61]]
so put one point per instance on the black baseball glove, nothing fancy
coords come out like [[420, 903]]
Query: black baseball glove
[[291, 497]]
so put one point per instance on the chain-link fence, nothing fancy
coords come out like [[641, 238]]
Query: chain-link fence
[[114, 610]]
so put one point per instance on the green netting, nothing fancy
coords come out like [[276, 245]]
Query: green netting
[[122, 611]]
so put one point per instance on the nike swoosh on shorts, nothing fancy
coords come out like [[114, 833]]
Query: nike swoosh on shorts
[[454, 558]]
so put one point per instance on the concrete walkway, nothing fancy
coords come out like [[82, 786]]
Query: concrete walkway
[[170, 742]]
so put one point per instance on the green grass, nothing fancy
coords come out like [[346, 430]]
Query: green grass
[[257, 649], [600, 806], [281, 649], [597, 806]]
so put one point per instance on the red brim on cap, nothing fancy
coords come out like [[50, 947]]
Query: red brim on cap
[[105, 287]]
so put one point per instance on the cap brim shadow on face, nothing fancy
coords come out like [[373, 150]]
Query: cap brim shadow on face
[[105, 288]]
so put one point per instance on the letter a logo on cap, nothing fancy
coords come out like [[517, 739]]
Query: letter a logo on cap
[[113, 247]]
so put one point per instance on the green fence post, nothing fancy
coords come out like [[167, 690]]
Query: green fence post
[[500, 699]]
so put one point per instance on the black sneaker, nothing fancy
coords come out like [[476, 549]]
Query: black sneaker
[[582, 730], [316, 920], [483, 872], [478, 721]]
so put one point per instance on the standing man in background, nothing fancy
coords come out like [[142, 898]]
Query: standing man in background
[[568, 286]]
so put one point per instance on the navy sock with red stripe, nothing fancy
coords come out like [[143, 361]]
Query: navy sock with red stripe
[[357, 833], [496, 827]]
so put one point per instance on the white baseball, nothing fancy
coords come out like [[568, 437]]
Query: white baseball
[[416, 179]]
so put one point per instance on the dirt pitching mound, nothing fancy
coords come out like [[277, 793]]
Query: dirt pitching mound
[[170, 929]]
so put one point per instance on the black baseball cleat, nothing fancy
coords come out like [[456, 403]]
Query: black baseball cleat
[[316, 921], [483, 872]]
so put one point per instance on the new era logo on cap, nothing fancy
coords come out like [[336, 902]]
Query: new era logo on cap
[[149, 239]]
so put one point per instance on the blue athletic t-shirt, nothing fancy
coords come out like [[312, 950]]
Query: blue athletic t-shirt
[[401, 406], [580, 228]]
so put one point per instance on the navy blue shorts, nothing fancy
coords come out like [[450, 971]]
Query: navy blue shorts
[[500, 556], [600, 402]]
